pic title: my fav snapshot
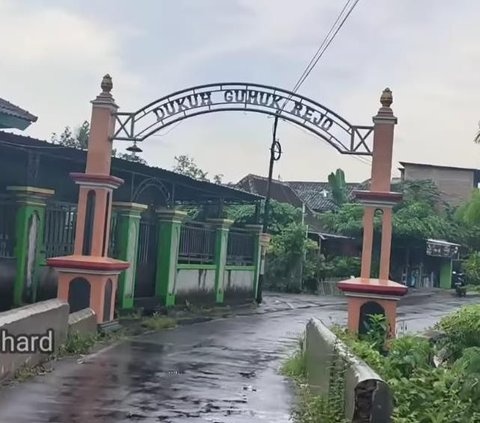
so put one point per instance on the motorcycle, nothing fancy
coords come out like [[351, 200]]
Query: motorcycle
[[459, 284]]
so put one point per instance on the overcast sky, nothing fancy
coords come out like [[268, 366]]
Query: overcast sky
[[54, 54]]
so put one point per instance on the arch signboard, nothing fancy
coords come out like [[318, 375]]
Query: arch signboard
[[246, 97]]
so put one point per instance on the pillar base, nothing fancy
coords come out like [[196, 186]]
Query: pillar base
[[89, 281], [366, 296]]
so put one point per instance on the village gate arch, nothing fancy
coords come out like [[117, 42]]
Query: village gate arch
[[234, 96]]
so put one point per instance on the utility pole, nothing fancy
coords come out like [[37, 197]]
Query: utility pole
[[275, 154]]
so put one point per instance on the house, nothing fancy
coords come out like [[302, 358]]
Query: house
[[318, 195], [14, 117], [454, 183], [38, 211], [282, 192]]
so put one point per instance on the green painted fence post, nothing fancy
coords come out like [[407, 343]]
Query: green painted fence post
[[29, 240], [257, 254], [169, 226], [221, 243], [128, 228]]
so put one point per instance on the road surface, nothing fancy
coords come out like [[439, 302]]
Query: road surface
[[222, 371]]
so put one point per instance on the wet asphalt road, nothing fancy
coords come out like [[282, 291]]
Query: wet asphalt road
[[219, 371]]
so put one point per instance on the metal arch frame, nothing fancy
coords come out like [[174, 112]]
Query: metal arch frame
[[152, 182], [353, 142]]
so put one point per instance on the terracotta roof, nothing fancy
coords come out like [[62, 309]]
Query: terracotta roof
[[8, 108]]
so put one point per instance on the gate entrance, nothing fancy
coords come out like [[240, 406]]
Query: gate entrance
[[147, 255]]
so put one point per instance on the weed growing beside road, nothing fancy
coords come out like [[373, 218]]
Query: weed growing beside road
[[158, 322], [311, 407], [432, 382]]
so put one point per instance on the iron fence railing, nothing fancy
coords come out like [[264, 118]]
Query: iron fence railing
[[240, 248], [197, 244], [59, 234], [8, 209]]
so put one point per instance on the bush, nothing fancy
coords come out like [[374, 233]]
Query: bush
[[471, 267], [342, 267], [462, 330], [158, 322]]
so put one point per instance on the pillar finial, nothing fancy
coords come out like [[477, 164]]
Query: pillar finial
[[386, 98], [107, 83]]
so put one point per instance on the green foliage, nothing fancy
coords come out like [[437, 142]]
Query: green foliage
[[79, 343], [471, 266], [469, 212], [377, 332], [295, 366], [342, 267], [79, 139], [424, 393], [286, 254], [312, 408], [185, 165], [158, 322], [462, 330], [338, 187], [348, 220]]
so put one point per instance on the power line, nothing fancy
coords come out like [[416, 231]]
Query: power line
[[323, 46]]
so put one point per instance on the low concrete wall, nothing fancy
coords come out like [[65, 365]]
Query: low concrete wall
[[82, 322], [35, 319], [367, 396], [238, 284], [195, 284]]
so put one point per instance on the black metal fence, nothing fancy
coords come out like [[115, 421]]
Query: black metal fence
[[240, 248], [59, 234], [8, 211], [197, 244]]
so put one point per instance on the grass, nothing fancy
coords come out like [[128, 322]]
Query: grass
[[158, 322], [310, 407]]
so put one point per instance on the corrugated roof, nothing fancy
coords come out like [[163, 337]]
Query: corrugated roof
[[10, 109], [283, 193], [317, 195]]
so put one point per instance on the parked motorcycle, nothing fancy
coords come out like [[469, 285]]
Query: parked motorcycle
[[459, 284]]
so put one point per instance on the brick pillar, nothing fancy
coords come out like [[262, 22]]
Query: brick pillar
[[29, 228], [128, 226], [366, 293], [222, 227], [170, 222], [88, 278]]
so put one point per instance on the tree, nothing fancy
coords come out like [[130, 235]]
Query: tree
[[338, 187], [79, 139], [185, 165]]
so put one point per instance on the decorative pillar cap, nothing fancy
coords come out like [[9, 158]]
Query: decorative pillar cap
[[254, 228], [33, 191], [221, 222], [364, 286], [385, 113], [386, 99], [126, 206], [378, 198], [171, 214], [265, 239], [105, 99]]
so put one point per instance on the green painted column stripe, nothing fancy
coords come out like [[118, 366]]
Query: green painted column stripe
[[220, 262], [128, 226], [26, 212], [167, 258]]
